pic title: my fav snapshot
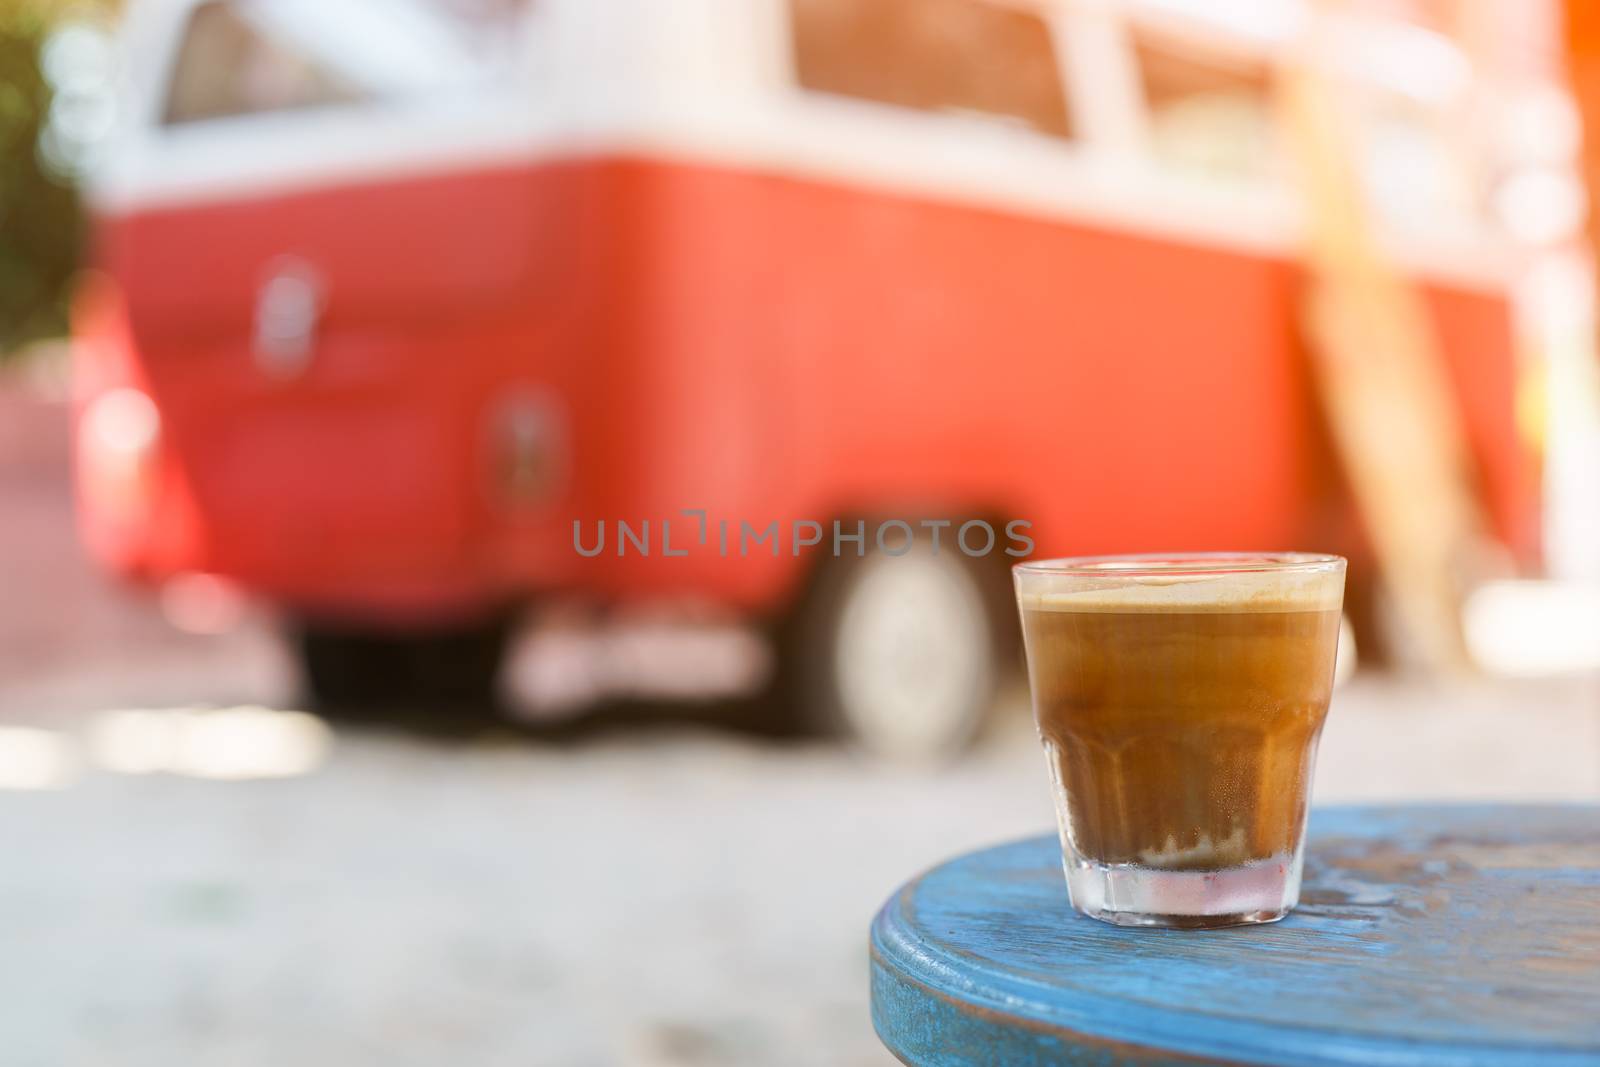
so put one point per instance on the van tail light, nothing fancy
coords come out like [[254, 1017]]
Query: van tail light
[[118, 432], [118, 448]]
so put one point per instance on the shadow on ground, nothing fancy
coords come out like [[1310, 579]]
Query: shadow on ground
[[757, 719]]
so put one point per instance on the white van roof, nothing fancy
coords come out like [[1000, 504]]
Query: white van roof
[[713, 81]]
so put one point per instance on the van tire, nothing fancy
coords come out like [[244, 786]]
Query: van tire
[[357, 669], [901, 656]]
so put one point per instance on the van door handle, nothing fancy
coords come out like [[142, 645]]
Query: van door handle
[[288, 313]]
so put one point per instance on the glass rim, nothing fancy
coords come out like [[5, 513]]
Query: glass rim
[[1189, 564]]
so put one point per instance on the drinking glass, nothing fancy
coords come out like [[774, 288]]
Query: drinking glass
[[1179, 699]]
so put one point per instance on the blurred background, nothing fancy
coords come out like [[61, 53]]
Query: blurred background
[[380, 383]]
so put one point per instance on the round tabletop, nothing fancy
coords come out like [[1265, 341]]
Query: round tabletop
[[1424, 935]]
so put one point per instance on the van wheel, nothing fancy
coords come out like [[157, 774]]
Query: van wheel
[[901, 655], [357, 669]]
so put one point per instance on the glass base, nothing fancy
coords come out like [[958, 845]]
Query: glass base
[[1130, 895]]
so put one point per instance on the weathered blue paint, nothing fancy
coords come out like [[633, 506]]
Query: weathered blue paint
[[1444, 935]]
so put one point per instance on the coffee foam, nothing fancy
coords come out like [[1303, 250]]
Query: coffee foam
[[1246, 592]]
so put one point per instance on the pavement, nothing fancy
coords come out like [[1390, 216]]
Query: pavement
[[252, 886]]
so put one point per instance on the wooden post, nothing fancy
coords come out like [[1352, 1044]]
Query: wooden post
[[1380, 375]]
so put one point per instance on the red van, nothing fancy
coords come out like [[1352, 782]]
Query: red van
[[402, 303]]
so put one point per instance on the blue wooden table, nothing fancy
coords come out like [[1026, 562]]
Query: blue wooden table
[[1446, 935]]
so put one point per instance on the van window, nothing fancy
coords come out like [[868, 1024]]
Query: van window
[[1413, 171], [1208, 115], [242, 57], [967, 56]]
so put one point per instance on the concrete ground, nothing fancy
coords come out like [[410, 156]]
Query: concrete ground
[[656, 895]]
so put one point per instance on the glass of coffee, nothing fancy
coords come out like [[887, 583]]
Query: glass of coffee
[[1180, 699]]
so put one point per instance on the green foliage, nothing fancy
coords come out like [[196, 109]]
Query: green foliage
[[41, 218]]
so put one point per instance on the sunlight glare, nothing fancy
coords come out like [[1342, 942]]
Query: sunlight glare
[[225, 744]]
